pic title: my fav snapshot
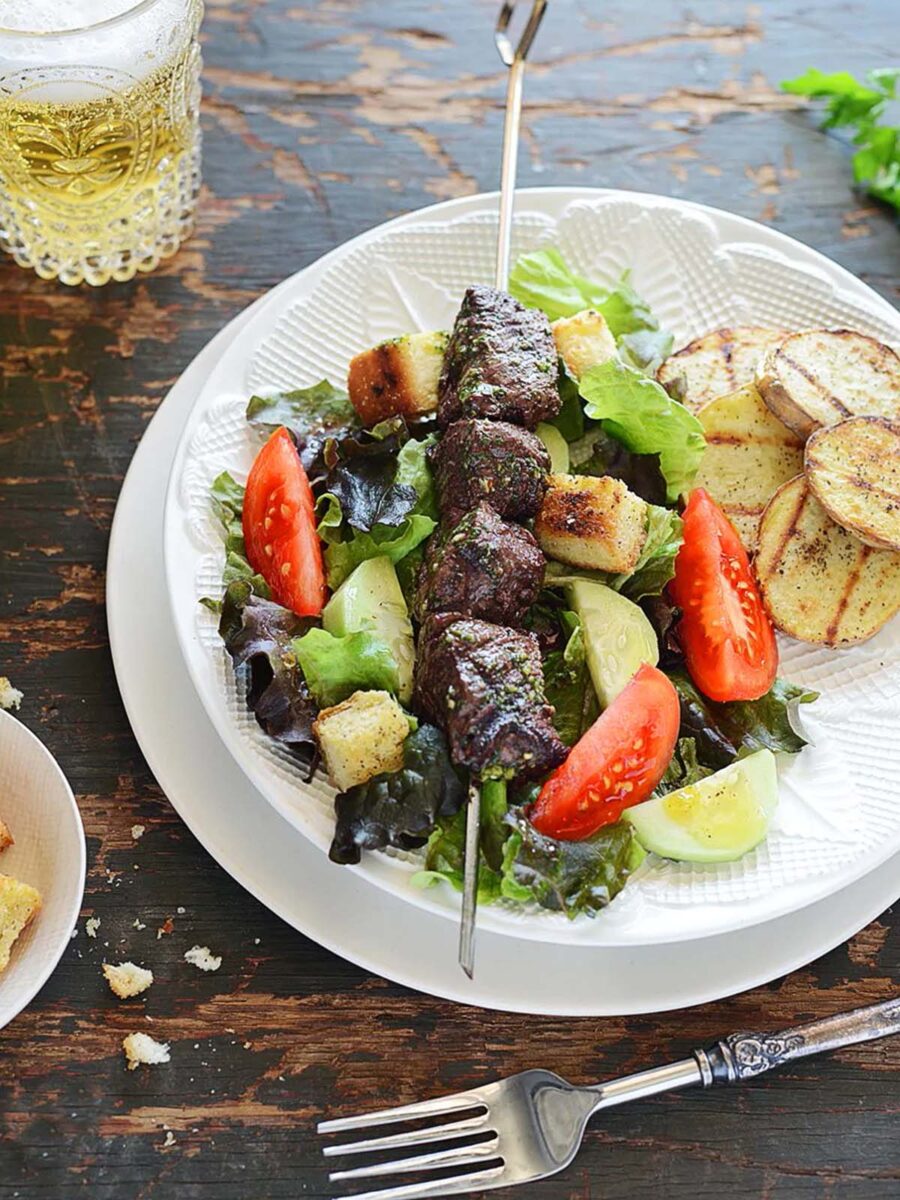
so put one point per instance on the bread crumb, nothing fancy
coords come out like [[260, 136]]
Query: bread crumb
[[19, 904], [10, 697], [6, 838], [137, 923], [142, 1048], [127, 979], [137, 832], [170, 1139], [166, 928], [202, 957], [91, 925]]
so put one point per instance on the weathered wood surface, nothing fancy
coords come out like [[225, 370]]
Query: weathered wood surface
[[322, 118]]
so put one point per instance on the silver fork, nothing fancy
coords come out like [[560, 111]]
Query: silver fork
[[531, 1125]]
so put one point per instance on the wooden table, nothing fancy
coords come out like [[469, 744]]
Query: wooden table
[[322, 119]]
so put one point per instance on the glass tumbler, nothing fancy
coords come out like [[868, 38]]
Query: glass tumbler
[[99, 134]]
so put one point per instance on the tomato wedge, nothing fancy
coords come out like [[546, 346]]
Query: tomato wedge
[[728, 642], [616, 764], [279, 523]]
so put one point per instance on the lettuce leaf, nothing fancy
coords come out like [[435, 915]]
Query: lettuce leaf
[[304, 411], [643, 417], [570, 418], [335, 667], [445, 852], [684, 769], [259, 634], [724, 732], [570, 877], [227, 500], [598, 453], [342, 557], [364, 476], [568, 686], [400, 808]]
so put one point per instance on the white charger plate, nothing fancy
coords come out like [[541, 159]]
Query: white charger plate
[[344, 911], [699, 268]]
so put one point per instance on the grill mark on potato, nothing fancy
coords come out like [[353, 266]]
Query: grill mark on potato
[[831, 632], [789, 531], [815, 382], [727, 343], [737, 439]]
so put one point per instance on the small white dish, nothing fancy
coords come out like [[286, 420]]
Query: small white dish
[[37, 804]]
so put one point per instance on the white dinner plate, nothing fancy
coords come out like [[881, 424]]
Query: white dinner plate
[[343, 910], [37, 805], [837, 817]]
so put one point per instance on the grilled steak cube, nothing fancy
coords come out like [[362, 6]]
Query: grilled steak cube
[[490, 460], [500, 362], [483, 684], [481, 566]]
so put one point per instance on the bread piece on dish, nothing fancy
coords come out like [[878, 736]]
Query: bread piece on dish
[[717, 363], [19, 904], [397, 377], [141, 1048], [591, 521], [823, 376], [853, 469], [583, 341], [361, 737], [820, 583], [127, 979], [6, 838], [749, 455]]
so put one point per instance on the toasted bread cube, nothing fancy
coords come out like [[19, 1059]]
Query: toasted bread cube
[[593, 522], [142, 1048], [6, 838], [583, 341], [19, 904], [399, 376], [361, 737], [127, 979]]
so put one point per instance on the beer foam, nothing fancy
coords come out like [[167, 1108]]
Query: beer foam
[[132, 48], [58, 16]]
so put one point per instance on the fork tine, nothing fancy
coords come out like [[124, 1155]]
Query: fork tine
[[459, 1156], [411, 1137], [405, 1112], [456, 1185]]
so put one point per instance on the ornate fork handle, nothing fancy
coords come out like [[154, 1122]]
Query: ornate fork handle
[[743, 1055]]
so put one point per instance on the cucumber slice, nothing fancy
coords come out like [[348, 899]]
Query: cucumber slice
[[617, 637], [557, 447], [719, 819], [370, 599]]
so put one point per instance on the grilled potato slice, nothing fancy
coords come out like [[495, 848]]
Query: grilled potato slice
[[399, 376], [749, 455], [716, 363], [823, 376], [583, 341], [819, 582], [853, 469], [590, 521]]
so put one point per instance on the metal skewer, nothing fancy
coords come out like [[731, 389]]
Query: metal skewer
[[514, 59]]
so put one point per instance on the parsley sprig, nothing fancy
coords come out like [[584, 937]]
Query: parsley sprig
[[861, 106]]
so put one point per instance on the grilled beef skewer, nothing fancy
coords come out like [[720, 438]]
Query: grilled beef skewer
[[503, 464], [484, 685], [481, 566], [500, 362]]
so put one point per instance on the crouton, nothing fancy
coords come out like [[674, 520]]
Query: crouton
[[593, 522], [362, 737], [142, 1048], [583, 341], [127, 979], [399, 376], [203, 958], [19, 904]]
